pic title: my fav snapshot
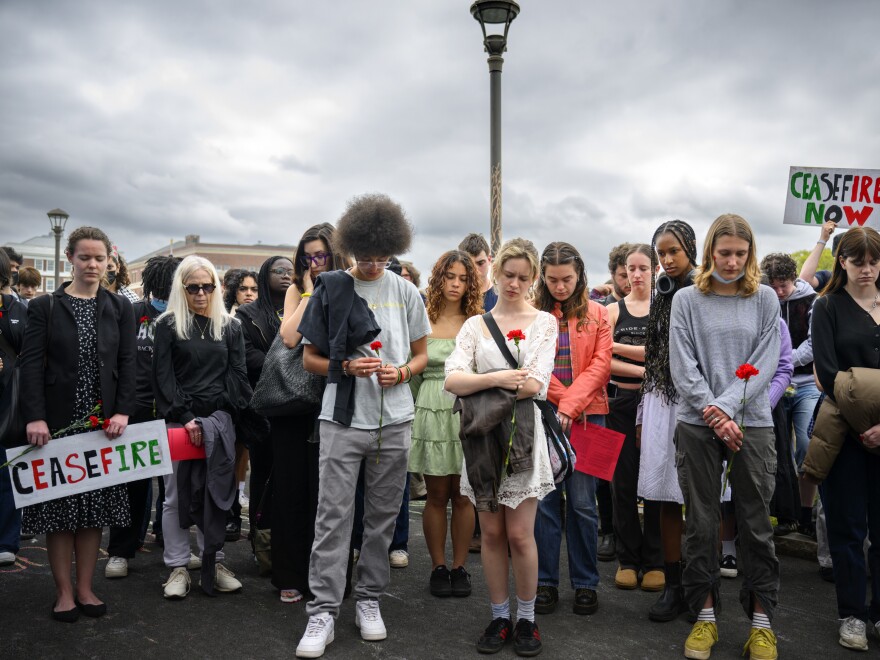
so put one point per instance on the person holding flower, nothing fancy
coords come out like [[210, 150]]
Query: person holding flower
[[366, 413], [78, 360], [578, 390], [717, 422], [475, 365], [453, 295]]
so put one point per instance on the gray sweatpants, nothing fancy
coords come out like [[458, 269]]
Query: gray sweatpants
[[698, 457], [342, 450]]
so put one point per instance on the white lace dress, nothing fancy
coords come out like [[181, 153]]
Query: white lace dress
[[658, 476], [476, 352]]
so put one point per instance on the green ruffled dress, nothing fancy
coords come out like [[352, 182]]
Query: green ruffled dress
[[436, 448]]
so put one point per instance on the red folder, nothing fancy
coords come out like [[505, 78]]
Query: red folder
[[181, 448], [597, 449]]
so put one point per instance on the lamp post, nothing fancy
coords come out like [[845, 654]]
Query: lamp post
[[57, 220], [495, 12]]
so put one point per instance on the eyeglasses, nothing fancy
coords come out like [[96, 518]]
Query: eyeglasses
[[319, 259], [193, 289], [281, 271], [378, 265], [245, 289]]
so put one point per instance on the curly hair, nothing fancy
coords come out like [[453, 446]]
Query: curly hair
[[472, 300], [657, 374], [321, 232], [734, 225], [158, 275], [373, 225], [617, 256], [122, 278], [778, 266], [232, 279], [577, 305]]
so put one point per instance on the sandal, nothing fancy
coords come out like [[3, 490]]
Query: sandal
[[291, 596]]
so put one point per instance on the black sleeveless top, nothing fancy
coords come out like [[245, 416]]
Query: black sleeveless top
[[632, 330]]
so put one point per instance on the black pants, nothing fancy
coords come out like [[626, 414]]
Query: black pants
[[294, 500], [636, 549], [261, 468]]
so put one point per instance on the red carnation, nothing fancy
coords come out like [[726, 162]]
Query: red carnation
[[516, 336], [94, 421], [105, 424], [145, 319], [1, 315], [746, 371], [376, 345]]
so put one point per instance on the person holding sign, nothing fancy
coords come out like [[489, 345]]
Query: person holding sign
[[725, 321], [577, 389], [198, 359], [78, 361]]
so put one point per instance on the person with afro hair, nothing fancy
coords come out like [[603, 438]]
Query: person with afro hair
[[369, 343]]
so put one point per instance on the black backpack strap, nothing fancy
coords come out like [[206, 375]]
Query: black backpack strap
[[499, 339]]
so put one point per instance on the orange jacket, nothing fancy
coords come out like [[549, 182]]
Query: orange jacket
[[590, 365]]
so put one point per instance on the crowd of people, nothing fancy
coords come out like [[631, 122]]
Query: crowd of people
[[740, 388]]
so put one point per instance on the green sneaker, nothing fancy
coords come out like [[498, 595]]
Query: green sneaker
[[699, 643], [761, 645]]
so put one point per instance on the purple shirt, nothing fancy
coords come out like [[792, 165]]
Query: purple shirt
[[782, 377]]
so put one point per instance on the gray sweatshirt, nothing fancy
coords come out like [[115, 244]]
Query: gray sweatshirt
[[709, 337]]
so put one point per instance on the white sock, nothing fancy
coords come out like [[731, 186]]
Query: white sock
[[728, 548], [707, 614], [760, 620], [501, 610], [525, 609], [240, 486]]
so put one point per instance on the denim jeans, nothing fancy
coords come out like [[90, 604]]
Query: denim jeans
[[798, 412], [581, 530], [10, 517]]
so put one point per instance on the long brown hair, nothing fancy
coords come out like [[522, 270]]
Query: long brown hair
[[857, 243], [324, 233], [472, 300], [734, 225], [560, 253]]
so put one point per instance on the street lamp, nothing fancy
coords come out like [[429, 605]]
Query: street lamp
[[495, 12], [57, 220]]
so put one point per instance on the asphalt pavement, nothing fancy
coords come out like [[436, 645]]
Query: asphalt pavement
[[255, 624]]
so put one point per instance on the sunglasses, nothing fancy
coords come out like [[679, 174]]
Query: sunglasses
[[193, 289], [319, 259]]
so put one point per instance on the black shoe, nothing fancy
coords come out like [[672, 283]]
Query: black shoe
[[493, 638], [827, 573], [727, 567], [526, 638], [671, 602], [607, 548], [461, 582], [785, 528], [546, 600], [70, 616], [439, 584], [233, 532], [160, 539], [586, 601], [93, 611], [807, 530]]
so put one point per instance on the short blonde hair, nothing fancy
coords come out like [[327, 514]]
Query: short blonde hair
[[734, 225], [178, 307], [517, 248]]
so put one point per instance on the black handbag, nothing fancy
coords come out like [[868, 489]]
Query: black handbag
[[285, 387], [562, 454], [13, 430]]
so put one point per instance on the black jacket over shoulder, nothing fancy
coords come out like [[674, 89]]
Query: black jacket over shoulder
[[259, 327], [50, 394]]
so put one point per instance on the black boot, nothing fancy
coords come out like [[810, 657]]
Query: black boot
[[671, 602]]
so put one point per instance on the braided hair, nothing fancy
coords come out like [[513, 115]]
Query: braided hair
[[657, 375], [157, 277]]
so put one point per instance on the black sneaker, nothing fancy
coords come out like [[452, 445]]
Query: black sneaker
[[461, 582], [607, 550], [784, 528], [827, 573], [526, 638], [440, 584], [586, 601], [493, 638], [728, 566], [233, 532], [546, 599]]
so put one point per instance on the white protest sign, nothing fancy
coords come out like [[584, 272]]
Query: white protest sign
[[88, 461], [850, 198]]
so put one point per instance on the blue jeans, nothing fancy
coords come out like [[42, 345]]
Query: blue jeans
[[10, 517], [581, 530], [798, 412]]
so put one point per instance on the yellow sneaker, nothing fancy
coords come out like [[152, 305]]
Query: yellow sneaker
[[699, 643], [761, 645]]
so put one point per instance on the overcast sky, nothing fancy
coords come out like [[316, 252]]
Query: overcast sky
[[252, 121]]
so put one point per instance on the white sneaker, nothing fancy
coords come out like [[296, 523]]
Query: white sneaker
[[245, 502], [355, 555], [852, 634], [194, 563], [117, 567], [224, 580], [399, 559], [318, 634], [369, 620], [177, 586], [7, 558]]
